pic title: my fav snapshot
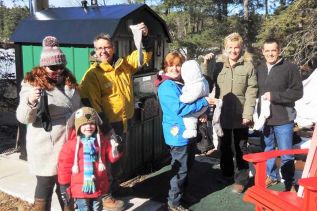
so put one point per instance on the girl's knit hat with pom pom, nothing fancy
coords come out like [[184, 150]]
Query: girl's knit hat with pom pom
[[51, 53]]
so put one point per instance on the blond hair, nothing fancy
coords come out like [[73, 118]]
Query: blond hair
[[233, 37]]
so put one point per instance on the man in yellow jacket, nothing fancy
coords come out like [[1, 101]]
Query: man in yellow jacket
[[107, 86]]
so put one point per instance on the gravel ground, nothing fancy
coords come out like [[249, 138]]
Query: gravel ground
[[7, 138], [8, 203]]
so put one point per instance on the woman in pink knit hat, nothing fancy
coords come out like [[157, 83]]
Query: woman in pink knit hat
[[48, 97]]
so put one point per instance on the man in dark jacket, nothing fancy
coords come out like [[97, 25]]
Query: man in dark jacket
[[279, 82]]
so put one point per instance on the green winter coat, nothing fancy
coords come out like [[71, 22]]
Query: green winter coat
[[237, 87]]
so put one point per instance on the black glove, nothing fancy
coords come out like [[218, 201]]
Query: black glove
[[120, 142], [105, 127], [64, 194], [43, 112]]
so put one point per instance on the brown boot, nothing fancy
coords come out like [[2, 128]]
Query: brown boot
[[111, 204], [269, 181], [69, 208], [291, 188], [39, 205]]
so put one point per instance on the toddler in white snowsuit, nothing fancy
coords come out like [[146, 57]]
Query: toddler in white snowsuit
[[195, 87]]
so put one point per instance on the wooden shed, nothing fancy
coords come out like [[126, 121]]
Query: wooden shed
[[75, 28]]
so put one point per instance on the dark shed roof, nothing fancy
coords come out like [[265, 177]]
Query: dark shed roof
[[74, 25]]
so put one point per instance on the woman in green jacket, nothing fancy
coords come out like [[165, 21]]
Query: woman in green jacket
[[236, 84]]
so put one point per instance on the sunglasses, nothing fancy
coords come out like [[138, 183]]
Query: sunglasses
[[56, 67]]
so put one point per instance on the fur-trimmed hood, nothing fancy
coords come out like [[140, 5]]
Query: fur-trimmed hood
[[246, 57]]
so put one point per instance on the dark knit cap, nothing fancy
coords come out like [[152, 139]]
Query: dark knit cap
[[51, 53]]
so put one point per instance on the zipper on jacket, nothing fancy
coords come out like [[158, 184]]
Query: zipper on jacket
[[265, 81], [231, 79]]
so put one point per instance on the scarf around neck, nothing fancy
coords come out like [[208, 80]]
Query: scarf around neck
[[90, 156]]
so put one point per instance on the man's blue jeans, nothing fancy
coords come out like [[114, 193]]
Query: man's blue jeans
[[283, 136]]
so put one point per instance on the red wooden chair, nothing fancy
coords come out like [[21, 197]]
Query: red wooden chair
[[267, 199]]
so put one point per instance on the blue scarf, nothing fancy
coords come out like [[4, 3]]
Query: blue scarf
[[90, 156]]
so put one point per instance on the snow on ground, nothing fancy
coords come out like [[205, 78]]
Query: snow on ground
[[7, 61]]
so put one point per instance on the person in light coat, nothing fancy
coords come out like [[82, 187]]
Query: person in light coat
[[48, 97]]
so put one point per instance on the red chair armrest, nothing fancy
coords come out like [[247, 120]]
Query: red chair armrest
[[263, 156], [310, 183], [259, 161]]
